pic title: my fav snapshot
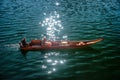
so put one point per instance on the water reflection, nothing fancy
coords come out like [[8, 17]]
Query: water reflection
[[57, 3], [52, 61], [52, 24]]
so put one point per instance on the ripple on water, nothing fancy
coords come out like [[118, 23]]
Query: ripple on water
[[84, 20]]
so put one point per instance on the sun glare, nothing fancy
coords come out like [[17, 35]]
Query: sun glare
[[52, 25]]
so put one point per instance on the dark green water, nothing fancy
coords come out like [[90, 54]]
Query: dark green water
[[60, 20]]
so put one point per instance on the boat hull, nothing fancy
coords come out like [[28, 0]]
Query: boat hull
[[71, 45]]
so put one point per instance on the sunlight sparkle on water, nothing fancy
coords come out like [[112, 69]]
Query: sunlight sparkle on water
[[54, 69], [52, 24], [57, 4], [49, 72], [52, 62], [44, 67], [49, 60]]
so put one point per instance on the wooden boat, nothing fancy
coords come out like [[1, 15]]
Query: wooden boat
[[36, 45]]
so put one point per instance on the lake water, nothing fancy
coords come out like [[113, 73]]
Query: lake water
[[60, 20]]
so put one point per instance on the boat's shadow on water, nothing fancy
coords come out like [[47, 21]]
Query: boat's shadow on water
[[71, 51]]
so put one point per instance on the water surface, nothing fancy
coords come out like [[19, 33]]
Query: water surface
[[60, 20]]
